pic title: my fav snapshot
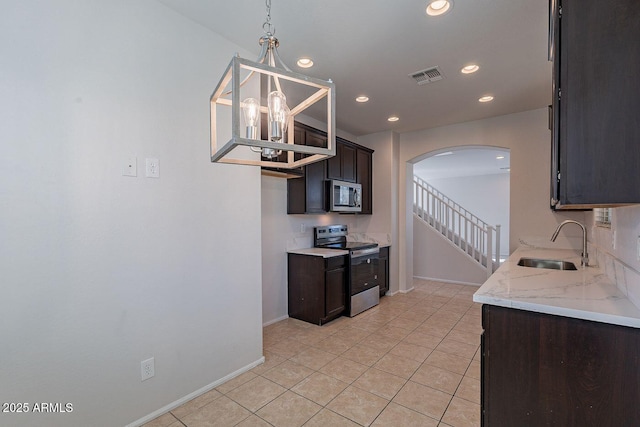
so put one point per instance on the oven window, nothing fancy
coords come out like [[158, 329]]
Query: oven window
[[364, 271]]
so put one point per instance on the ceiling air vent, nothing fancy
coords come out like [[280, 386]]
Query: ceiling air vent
[[429, 75]]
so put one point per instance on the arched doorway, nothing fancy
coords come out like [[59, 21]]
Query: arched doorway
[[461, 213]]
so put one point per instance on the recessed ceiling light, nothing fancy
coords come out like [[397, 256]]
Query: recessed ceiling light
[[393, 118], [471, 68], [438, 7], [486, 98], [362, 98], [305, 63], [499, 157]]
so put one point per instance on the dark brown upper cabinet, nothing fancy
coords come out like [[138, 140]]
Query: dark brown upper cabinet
[[307, 194], [352, 163], [343, 165], [596, 100], [364, 177]]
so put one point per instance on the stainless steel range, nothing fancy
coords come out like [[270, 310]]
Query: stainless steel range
[[362, 287]]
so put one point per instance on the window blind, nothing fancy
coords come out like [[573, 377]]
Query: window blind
[[602, 217]]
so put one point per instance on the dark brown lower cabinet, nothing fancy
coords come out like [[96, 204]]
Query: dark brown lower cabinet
[[545, 370], [317, 287]]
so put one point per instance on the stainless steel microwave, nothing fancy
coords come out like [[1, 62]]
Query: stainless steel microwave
[[345, 196]]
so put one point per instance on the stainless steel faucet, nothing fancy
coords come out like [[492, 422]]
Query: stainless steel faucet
[[585, 256]]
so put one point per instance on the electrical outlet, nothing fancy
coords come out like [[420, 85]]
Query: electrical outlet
[[152, 168], [130, 167], [303, 228], [147, 369]]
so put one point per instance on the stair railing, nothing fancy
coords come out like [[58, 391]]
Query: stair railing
[[472, 235]]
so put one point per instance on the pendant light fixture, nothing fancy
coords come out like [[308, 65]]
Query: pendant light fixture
[[266, 96]]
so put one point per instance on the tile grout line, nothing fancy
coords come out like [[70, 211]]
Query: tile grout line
[[395, 308]]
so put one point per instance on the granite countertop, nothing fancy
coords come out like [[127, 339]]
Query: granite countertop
[[586, 293], [324, 253]]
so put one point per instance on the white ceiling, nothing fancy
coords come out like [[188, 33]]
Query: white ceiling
[[464, 162], [370, 47]]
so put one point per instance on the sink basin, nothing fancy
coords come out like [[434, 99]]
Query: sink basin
[[554, 264]]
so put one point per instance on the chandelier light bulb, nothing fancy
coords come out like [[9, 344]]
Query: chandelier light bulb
[[278, 115], [251, 112]]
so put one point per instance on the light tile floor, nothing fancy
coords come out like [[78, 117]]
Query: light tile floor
[[414, 360]]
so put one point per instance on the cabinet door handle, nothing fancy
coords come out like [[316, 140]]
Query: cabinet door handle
[[552, 28]]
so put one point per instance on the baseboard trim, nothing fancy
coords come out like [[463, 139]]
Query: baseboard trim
[[455, 282], [271, 322], [185, 399], [406, 291]]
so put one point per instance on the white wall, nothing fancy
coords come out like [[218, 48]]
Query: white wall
[[486, 196], [527, 135], [384, 220], [101, 271], [435, 258]]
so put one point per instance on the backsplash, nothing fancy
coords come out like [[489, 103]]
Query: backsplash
[[626, 278], [300, 241], [615, 249], [382, 239]]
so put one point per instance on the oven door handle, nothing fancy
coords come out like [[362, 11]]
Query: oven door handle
[[364, 252]]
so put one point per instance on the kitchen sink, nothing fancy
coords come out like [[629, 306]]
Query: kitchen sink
[[553, 264]]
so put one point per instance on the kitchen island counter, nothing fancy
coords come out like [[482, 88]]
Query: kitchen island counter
[[586, 293]]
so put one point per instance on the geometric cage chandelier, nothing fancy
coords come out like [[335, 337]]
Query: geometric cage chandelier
[[260, 101]]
